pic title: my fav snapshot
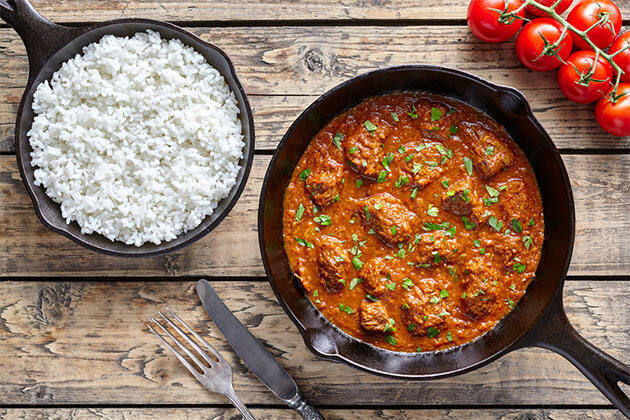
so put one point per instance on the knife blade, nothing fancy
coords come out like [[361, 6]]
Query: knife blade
[[253, 354]]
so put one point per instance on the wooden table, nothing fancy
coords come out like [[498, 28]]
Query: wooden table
[[73, 341]]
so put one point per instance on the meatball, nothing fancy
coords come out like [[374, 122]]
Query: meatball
[[332, 262], [434, 247], [375, 276], [425, 162], [374, 317], [480, 282], [364, 147], [324, 184], [423, 311], [388, 216], [489, 147], [506, 250]]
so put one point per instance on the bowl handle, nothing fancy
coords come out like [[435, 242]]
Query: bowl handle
[[553, 331], [41, 37]]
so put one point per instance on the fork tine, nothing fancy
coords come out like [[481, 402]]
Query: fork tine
[[212, 350], [176, 353], [179, 344], [185, 336]]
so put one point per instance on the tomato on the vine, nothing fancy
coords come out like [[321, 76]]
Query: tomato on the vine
[[582, 79], [623, 58], [587, 13], [560, 8], [614, 117], [534, 45], [483, 19]]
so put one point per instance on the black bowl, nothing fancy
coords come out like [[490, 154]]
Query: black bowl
[[49, 45]]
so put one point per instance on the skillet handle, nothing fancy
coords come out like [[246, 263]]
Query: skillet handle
[[554, 332], [41, 37]]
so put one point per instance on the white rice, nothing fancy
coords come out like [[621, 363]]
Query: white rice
[[137, 138]]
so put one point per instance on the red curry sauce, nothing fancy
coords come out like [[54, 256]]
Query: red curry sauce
[[414, 222]]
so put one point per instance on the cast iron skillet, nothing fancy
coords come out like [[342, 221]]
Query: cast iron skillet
[[48, 45], [538, 320]]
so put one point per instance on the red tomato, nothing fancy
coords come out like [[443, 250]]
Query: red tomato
[[587, 13], [623, 58], [564, 5], [531, 48], [615, 117], [484, 22], [571, 79]]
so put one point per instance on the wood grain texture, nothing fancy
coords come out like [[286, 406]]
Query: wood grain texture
[[239, 10], [284, 69], [87, 342], [286, 414], [600, 187]]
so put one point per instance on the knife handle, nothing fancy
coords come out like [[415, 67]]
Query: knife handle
[[306, 410]]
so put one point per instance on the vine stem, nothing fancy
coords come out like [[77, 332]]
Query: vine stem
[[551, 11]]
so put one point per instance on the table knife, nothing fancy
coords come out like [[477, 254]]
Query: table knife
[[252, 352]]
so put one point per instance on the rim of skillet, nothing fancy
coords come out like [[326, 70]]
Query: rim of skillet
[[338, 354], [24, 142]]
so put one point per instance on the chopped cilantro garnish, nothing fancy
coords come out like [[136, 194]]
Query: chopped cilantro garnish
[[443, 293], [370, 297], [305, 173], [414, 113], [414, 193], [391, 286], [527, 241], [304, 242], [369, 126], [449, 337], [432, 332], [518, 267], [434, 300], [453, 130], [354, 282], [359, 183], [493, 192], [407, 283], [445, 183], [531, 222], [468, 164], [402, 180], [436, 114], [391, 340], [518, 228], [323, 220], [489, 150], [337, 140], [382, 176], [395, 116], [346, 309], [299, 213], [353, 150], [496, 224], [432, 211], [468, 224], [357, 263]]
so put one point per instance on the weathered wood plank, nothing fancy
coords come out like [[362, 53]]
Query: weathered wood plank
[[287, 414], [87, 342], [288, 67], [27, 248], [239, 10]]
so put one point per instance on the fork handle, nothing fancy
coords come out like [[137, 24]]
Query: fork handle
[[247, 415]]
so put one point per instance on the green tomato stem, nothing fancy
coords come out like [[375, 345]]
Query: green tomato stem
[[551, 11]]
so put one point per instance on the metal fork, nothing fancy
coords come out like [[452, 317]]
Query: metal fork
[[217, 377]]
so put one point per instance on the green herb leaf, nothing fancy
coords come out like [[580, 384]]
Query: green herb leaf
[[305, 173], [369, 126], [432, 211], [464, 295], [402, 180], [304, 243], [391, 286], [299, 213], [493, 192], [468, 164], [359, 183], [357, 263], [490, 151], [391, 340], [518, 228], [468, 224], [370, 297], [443, 293], [382, 176], [414, 113], [395, 116], [531, 222], [477, 243], [436, 114], [353, 150], [445, 183], [407, 283], [346, 309], [449, 337], [432, 332], [411, 327], [527, 241], [323, 220], [518, 267], [414, 193], [354, 282], [453, 130], [337, 140], [393, 230], [496, 224], [434, 300], [389, 158]]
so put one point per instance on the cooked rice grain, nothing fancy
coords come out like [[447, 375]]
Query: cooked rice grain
[[137, 138]]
